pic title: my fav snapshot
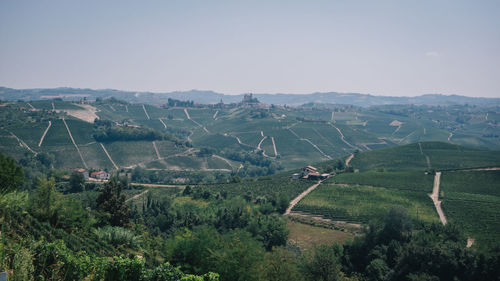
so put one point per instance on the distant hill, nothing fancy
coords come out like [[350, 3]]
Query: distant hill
[[198, 96]]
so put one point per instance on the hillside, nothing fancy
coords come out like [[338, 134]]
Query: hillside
[[405, 176], [234, 138], [198, 96]]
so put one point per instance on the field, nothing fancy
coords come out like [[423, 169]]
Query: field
[[303, 135], [442, 156], [280, 185], [414, 181], [476, 214], [471, 199], [356, 203], [476, 182], [306, 236]]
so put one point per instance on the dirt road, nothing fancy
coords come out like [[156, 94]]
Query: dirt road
[[22, 143], [302, 195], [343, 138], [44, 133], [311, 143], [435, 197], [274, 147], [156, 150], [348, 160], [146, 112], [109, 157], [164, 125], [74, 143], [137, 195]]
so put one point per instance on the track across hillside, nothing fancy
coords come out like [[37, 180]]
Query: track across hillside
[[74, 143], [435, 198], [302, 195], [44, 133]]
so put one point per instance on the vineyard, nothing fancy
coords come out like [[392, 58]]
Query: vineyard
[[476, 182], [477, 215], [275, 187], [356, 203], [471, 199], [413, 181]]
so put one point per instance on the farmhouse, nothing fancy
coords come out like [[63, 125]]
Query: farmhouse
[[101, 175], [83, 172], [310, 172]]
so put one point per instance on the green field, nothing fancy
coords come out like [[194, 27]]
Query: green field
[[414, 181], [477, 215], [476, 182], [442, 156], [279, 185], [355, 203]]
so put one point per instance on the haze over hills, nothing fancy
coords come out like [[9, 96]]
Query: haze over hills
[[211, 97]]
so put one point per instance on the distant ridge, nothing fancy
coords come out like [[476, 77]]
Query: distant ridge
[[199, 96]]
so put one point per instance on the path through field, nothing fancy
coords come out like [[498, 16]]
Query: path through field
[[274, 147], [302, 195], [260, 143], [74, 143], [137, 195], [189, 117], [450, 136], [146, 112], [223, 159], [156, 150], [348, 160], [310, 142], [435, 197], [109, 157], [44, 133], [164, 125], [30, 105], [53, 107], [22, 143], [342, 137]]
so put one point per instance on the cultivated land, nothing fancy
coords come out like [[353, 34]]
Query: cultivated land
[[396, 150], [467, 195], [301, 135]]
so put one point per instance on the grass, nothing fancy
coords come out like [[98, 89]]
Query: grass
[[362, 204], [307, 236]]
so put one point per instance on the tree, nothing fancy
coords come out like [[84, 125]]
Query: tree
[[324, 265], [11, 175], [281, 265], [112, 203], [76, 182]]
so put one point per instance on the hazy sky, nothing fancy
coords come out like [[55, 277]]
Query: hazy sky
[[379, 47]]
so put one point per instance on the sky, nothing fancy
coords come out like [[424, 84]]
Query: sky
[[396, 48]]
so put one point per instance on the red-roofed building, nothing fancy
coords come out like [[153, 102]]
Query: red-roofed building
[[101, 175]]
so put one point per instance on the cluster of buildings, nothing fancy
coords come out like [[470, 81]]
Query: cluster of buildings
[[311, 173]]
